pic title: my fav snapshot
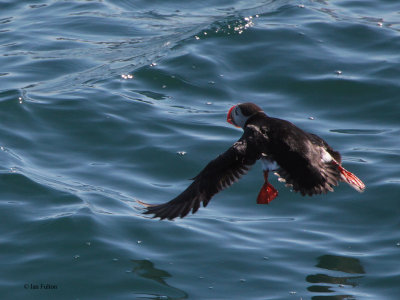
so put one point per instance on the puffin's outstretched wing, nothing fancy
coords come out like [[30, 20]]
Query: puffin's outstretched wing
[[220, 173], [316, 178]]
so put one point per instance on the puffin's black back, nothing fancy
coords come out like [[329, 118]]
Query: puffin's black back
[[294, 151]]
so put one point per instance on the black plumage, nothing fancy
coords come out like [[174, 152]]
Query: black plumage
[[220, 173], [305, 162]]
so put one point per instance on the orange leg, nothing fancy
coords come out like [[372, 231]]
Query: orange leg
[[267, 192], [350, 178]]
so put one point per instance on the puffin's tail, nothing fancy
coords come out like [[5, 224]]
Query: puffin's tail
[[350, 178]]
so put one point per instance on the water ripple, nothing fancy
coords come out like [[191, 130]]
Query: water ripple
[[103, 103]]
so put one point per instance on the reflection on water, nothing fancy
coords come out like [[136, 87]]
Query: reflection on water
[[329, 283], [146, 269], [340, 263]]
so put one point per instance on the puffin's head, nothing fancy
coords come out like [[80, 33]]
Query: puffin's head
[[240, 113]]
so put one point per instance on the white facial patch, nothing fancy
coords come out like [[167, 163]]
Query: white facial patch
[[238, 118]]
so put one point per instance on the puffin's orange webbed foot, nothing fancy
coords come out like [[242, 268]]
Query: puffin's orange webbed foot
[[267, 192]]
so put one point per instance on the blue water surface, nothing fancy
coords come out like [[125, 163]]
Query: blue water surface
[[103, 103]]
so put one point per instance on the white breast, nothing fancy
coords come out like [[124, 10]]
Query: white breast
[[269, 165]]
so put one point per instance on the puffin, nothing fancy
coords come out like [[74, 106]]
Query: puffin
[[303, 161]]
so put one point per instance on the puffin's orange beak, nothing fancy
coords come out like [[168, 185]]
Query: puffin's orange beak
[[229, 118]]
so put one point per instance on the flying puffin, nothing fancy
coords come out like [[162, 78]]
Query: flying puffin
[[304, 161]]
